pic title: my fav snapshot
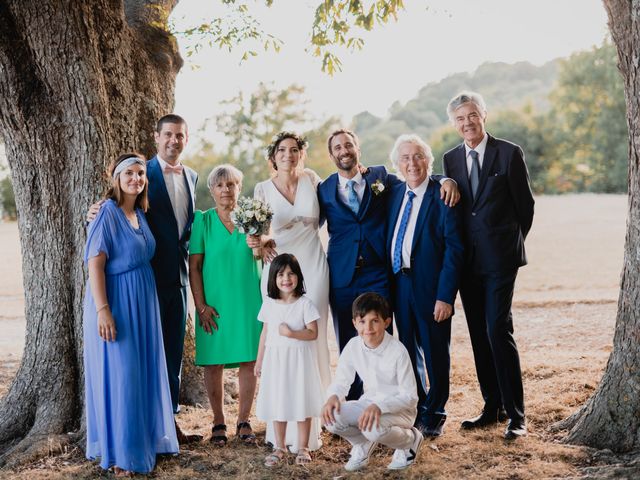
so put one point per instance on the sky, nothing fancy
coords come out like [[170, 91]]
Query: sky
[[431, 40]]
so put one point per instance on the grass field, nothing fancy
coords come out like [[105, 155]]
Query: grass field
[[564, 314]]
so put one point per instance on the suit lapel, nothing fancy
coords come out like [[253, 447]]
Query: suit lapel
[[461, 161], [332, 186], [422, 214], [191, 190], [366, 198], [487, 163], [394, 211]]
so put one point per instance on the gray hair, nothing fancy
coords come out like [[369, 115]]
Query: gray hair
[[224, 172], [466, 97], [416, 140]]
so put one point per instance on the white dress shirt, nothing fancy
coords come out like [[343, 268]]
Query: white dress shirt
[[178, 194], [480, 148], [386, 372], [407, 242], [343, 190]]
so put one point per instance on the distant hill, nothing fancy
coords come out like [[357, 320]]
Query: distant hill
[[504, 86]]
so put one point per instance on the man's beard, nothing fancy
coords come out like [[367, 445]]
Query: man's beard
[[352, 162]]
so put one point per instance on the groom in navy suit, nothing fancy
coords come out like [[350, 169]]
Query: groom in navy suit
[[426, 255], [497, 213], [355, 207]]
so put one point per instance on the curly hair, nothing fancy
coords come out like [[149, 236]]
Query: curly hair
[[272, 148]]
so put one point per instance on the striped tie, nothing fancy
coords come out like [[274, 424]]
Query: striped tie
[[404, 221]]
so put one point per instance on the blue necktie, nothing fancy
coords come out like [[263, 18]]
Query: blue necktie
[[354, 203], [474, 177], [404, 221]]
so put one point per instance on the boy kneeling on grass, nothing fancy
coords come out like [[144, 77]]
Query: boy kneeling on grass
[[386, 412]]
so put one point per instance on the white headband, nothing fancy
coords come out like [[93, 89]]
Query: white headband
[[127, 162]]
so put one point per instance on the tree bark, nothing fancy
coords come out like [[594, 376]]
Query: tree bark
[[611, 419], [80, 82]]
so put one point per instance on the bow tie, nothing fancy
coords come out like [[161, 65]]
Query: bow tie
[[173, 169]]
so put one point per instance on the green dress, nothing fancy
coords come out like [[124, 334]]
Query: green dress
[[231, 280]]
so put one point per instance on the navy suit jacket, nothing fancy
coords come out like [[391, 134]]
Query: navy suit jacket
[[496, 223], [437, 253], [172, 247], [349, 232]]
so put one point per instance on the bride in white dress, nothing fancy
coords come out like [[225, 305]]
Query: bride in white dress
[[294, 229]]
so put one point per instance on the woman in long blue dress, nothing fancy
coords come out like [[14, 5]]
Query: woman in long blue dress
[[129, 413]]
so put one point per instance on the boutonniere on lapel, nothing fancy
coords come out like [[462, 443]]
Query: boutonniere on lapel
[[377, 187]]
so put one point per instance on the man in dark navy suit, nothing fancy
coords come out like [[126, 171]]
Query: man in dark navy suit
[[426, 256], [354, 202], [171, 204], [497, 213]]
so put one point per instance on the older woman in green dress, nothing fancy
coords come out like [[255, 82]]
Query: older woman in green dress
[[225, 283]]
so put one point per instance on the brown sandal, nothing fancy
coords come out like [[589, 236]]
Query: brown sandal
[[246, 438]]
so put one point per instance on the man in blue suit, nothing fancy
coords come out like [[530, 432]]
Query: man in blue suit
[[426, 255], [354, 205], [497, 213]]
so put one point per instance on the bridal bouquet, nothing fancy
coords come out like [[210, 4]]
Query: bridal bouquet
[[252, 216]]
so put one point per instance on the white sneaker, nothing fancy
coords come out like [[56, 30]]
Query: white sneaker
[[359, 456], [404, 458]]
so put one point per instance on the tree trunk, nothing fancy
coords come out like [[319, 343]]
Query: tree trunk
[[80, 83], [611, 419]]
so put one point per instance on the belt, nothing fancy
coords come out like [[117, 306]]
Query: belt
[[360, 262], [405, 271]]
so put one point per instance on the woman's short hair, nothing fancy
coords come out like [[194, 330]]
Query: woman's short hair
[[278, 264], [224, 172], [114, 191], [466, 97], [416, 140], [272, 148]]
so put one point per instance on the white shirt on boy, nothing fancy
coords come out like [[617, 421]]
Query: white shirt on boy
[[386, 372]]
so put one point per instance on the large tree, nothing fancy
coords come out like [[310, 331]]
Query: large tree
[[81, 82], [611, 418]]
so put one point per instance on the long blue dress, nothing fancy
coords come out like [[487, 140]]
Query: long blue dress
[[129, 413]]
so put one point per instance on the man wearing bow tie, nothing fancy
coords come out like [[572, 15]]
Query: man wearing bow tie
[[497, 213], [170, 214]]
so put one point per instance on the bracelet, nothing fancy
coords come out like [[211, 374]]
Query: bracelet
[[106, 305], [202, 310]]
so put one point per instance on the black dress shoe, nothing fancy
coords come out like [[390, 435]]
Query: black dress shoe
[[515, 429], [502, 415], [486, 418], [433, 427]]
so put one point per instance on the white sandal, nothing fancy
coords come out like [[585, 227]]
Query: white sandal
[[275, 457]]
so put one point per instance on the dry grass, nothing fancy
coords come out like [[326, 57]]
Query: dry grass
[[564, 319]]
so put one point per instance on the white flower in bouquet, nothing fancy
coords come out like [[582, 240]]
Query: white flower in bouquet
[[252, 216]]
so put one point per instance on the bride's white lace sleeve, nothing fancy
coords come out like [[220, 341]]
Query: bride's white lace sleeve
[[315, 178], [258, 192]]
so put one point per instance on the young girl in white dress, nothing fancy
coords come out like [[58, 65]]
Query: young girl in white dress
[[290, 385]]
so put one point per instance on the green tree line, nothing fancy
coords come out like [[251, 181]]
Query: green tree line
[[568, 115]]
